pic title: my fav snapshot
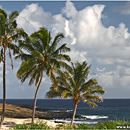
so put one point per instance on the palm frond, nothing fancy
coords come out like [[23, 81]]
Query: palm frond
[[11, 59], [70, 80], [44, 38], [23, 56], [85, 72], [92, 98], [17, 34], [26, 46], [25, 67], [92, 104], [24, 75], [62, 57], [55, 62], [54, 80], [14, 48], [66, 94], [38, 76], [61, 49], [66, 66], [4, 13], [57, 39], [2, 24], [53, 93], [13, 15], [87, 85], [1, 55], [36, 54], [35, 75]]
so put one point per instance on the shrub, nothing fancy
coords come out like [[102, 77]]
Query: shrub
[[110, 124], [65, 126], [84, 126], [32, 126]]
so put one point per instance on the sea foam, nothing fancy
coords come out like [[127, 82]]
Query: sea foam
[[75, 121], [94, 117]]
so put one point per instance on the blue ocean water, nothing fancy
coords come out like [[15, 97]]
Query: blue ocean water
[[110, 109]]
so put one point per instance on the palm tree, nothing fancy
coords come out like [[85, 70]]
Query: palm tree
[[42, 56], [9, 34], [76, 87]]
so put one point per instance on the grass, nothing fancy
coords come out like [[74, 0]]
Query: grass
[[101, 125]]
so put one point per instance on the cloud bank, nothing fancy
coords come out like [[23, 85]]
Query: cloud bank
[[107, 49]]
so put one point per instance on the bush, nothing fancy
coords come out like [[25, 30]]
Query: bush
[[111, 124], [84, 126], [65, 126], [32, 126]]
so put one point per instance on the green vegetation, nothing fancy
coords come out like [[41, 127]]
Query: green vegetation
[[9, 35], [101, 125], [32, 126], [76, 87]]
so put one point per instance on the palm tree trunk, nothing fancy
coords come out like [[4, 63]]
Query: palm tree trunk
[[35, 98], [74, 112], [4, 88]]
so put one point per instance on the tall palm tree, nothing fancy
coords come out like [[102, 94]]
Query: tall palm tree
[[76, 87], [9, 34], [42, 55]]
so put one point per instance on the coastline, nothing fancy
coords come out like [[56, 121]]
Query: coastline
[[21, 114], [51, 113], [25, 111]]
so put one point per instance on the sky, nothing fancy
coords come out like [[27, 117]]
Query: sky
[[96, 31]]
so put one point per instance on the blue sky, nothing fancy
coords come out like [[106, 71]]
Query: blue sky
[[97, 32]]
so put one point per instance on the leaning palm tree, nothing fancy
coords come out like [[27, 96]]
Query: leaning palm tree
[[43, 56], [9, 34], [76, 87]]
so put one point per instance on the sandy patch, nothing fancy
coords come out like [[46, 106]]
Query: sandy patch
[[8, 122]]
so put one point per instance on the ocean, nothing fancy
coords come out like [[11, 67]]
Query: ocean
[[110, 109]]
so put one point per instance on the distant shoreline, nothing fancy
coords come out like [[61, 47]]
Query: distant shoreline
[[25, 111]]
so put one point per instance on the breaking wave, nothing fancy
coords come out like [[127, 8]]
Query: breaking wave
[[75, 121], [93, 117]]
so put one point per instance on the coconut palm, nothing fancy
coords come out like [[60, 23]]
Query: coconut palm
[[43, 56], [76, 87], [9, 34]]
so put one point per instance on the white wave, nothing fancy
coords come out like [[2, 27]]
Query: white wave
[[56, 111], [75, 122], [69, 110], [37, 107], [95, 117]]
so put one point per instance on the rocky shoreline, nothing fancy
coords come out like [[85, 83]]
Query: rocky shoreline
[[51, 113], [25, 111]]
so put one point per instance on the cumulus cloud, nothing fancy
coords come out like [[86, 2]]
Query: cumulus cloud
[[69, 10], [33, 17], [88, 39]]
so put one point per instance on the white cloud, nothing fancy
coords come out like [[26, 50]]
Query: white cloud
[[76, 55], [69, 10], [88, 38], [32, 18]]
